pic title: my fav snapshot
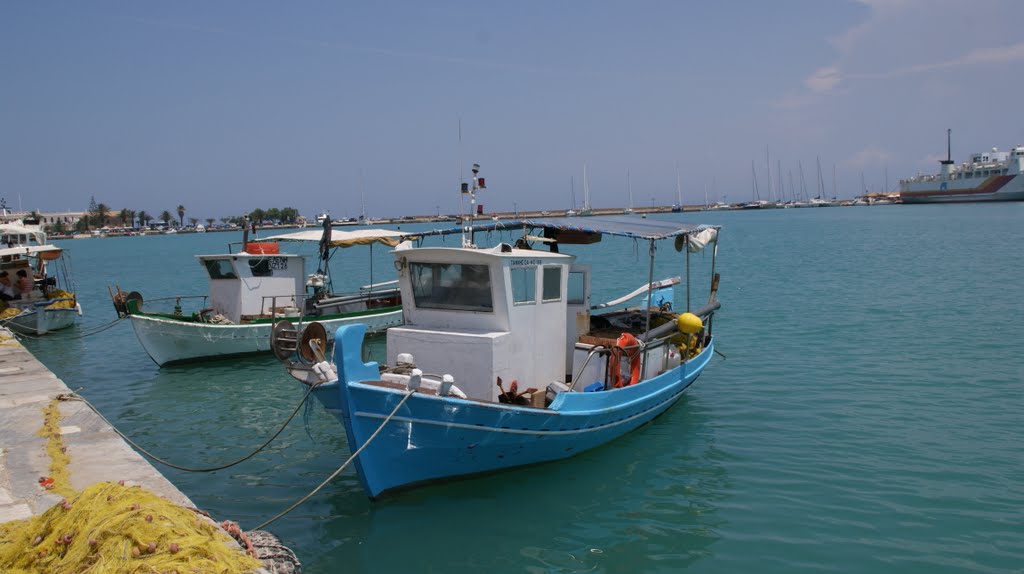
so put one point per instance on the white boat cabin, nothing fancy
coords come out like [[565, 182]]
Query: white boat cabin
[[499, 312], [244, 286]]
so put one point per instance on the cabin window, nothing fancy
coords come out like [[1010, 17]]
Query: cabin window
[[552, 290], [220, 269], [524, 285], [451, 286], [576, 294], [260, 267]]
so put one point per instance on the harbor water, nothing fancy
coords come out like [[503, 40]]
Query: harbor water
[[867, 416]]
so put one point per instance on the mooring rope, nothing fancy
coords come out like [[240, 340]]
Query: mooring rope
[[74, 396], [343, 466], [95, 331]]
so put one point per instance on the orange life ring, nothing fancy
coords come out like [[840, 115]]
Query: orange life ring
[[629, 345]]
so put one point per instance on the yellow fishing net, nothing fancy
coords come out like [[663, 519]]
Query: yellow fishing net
[[10, 312], [113, 529], [59, 480], [61, 294]]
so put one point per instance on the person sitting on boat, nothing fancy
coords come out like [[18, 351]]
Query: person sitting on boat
[[25, 284], [7, 291]]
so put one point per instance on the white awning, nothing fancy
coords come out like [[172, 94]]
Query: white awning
[[32, 250], [14, 229], [341, 238]]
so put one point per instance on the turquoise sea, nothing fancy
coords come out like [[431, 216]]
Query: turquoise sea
[[869, 416]]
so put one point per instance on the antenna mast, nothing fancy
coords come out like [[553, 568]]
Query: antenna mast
[[478, 183]]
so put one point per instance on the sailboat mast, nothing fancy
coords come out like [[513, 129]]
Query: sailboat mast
[[629, 187], [757, 196], [362, 198], [679, 191], [778, 174], [586, 190], [821, 181]]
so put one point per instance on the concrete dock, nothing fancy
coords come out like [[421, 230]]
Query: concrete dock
[[97, 453]]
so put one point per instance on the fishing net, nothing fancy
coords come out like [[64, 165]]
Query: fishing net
[[112, 529], [68, 303], [109, 528]]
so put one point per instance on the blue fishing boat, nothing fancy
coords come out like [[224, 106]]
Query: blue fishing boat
[[502, 362]]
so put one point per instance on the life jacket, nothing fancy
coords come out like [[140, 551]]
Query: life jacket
[[627, 345]]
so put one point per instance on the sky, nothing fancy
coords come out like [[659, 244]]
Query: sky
[[227, 106]]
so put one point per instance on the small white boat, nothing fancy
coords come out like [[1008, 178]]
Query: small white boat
[[51, 305], [251, 289]]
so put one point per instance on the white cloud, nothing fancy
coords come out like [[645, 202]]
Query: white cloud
[[895, 32], [823, 80], [980, 57], [867, 157]]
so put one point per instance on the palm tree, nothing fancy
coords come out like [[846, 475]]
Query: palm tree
[[127, 217], [209, 221], [181, 216], [143, 218], [192, 221], [166, 217], [102, 214]]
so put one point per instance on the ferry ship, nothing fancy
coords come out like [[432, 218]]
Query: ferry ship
[[987, 176]]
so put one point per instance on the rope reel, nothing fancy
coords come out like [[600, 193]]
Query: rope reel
[[313, 332], [122, 299], [284, 340]]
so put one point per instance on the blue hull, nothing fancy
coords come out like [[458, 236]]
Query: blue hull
[[431, 438]]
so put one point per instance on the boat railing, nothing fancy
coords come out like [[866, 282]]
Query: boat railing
[[374, 286], [285, 309], [178, 307], [350, 297], [706, 313], [596, 350]]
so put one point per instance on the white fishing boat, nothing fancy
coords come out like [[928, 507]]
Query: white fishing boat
[[986, 176], [41, 297], [249, 290]]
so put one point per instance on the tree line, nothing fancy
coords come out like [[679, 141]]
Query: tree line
[[101, 215]]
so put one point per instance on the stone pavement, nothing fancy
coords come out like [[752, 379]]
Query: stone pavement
[[97, 453]]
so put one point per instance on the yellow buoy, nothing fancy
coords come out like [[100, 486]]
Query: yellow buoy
[[689, 323]]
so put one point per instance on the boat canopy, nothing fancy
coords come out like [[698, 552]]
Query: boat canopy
[[10, 231], [53, 250], [590, 229], [622, 226], [341, 238]]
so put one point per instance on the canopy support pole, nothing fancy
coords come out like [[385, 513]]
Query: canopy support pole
[[687, 273], [647, 318]]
